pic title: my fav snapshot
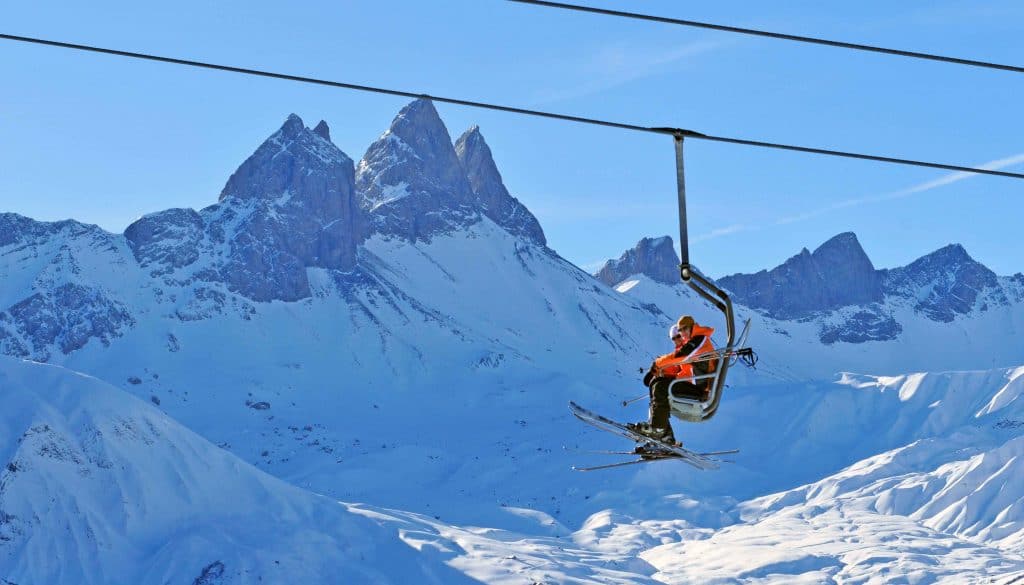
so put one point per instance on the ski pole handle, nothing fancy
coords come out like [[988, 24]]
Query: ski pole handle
[[632, 400]]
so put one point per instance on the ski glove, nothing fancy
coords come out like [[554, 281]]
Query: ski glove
[[649, 376]]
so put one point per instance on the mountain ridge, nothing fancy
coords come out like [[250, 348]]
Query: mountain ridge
[[943, 284]]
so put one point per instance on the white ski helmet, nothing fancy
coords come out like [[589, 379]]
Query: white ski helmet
[[673, 331]]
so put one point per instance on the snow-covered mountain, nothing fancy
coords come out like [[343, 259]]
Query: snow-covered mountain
[[250, 323], [397, 332], [830, 310]]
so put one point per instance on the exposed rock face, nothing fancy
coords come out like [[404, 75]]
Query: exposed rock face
[[654, 257], [49, 297], [837, 274], [493, 198], [410, 180], [1015, 284], [288, 207], [15, 229], [68, 317], [323, 130], [169, 239], [291, 205], [10, 344], [946, 283], [869, 324], [943, 284]]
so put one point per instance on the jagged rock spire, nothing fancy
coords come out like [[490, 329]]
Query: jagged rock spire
[[410, 180], [289, 206], [493, 198], [654, 257], [838, 273], [295, 160], [323, 130]]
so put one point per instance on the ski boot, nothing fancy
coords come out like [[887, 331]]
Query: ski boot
[[657, 435]]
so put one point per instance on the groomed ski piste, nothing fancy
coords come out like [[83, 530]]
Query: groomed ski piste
[[406, 422]]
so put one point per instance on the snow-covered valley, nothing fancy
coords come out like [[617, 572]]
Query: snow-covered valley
[[314, 380]]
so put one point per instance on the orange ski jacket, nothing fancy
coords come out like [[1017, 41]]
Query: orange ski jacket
[[675, 364]]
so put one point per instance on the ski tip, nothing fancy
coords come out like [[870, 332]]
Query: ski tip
[[713, 453]]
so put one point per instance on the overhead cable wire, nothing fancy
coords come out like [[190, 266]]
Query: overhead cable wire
[[338, 84], [677, 132], [777, 35]]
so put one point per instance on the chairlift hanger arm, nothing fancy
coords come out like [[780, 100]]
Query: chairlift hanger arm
[[684, 237], [702, 285]]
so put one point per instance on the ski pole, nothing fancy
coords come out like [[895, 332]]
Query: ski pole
[[632, 400]]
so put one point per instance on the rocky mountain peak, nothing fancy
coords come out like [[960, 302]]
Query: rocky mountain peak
[[492, 196], [294, 159], [292, 126], [289, 206], [410, 180], [471, 147], [838, 273], [323, 130], [952, 254], [14, 227], [655, 258], [843, 252], [948, 260], [843, 241], [945, 283], [419, 124]]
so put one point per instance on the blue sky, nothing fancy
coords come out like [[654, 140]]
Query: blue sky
[[105, 139]]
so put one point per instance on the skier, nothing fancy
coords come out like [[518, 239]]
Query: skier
[[691, 340]]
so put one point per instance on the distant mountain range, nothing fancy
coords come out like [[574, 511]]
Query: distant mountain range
[[838, 277]]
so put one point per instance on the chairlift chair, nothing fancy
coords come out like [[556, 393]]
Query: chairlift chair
[[687, 407]]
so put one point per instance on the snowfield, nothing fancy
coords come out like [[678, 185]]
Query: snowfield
[[139, 499], [102, 488]]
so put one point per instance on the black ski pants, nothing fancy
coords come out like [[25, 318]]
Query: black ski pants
[[661, 410]]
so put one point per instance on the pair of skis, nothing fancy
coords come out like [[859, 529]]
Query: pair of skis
[[650, 451]]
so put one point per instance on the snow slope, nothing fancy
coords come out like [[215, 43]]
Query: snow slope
[[102, 488], [142, 500], [451, 350], [944, 507]]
